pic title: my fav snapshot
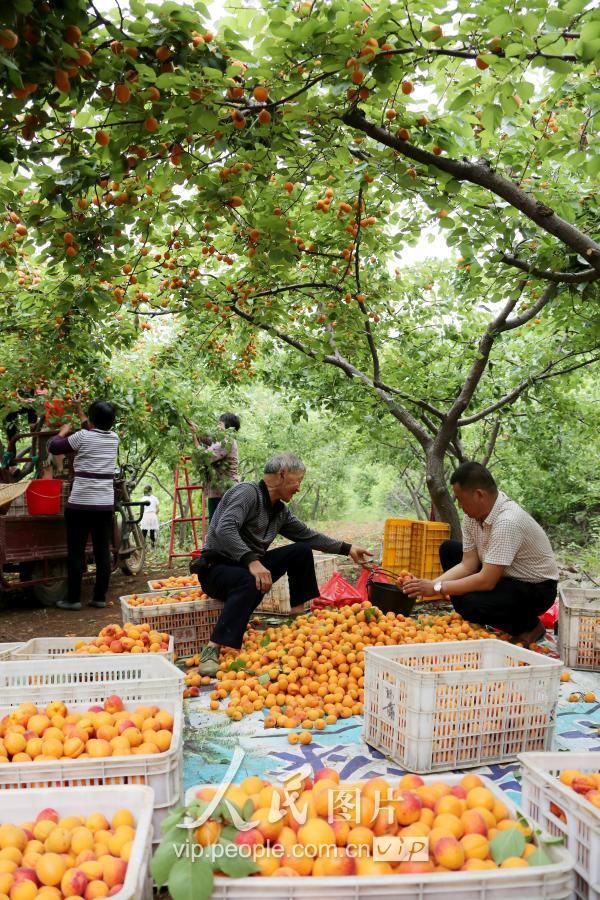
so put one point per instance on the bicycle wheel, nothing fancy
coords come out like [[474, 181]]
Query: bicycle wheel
[[132, 551]]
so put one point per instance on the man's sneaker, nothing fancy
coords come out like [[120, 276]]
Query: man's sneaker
[[98, 604], [209, 661], [64, 604]]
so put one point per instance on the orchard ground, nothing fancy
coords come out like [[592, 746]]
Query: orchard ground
[[22, 618]]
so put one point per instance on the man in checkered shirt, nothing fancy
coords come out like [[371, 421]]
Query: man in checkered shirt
[[236, 565], [504, 573]]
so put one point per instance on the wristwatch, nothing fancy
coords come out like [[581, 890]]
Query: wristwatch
[[437, 586]]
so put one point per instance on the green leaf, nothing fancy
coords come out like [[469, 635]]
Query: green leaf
[[539, 858], [237, 866], [176, 815], [229, 833], [266, 640], [165, 856], [453, 186], [514, 50], [552, 840], [556, 65], [501, 24], [589, 49], [248, 809], [491, 117], [462, 100], [237, 665], [525, 90], [508, 843], [529, 22], [593, 165], [191, 879], [590, 31], [370, 611], [558, 18]]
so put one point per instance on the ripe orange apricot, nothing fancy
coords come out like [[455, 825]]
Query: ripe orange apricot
[[122, 93]]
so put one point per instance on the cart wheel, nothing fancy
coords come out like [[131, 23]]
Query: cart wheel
[[50, 594], [133, 552]]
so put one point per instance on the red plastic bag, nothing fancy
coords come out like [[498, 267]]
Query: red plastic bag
[[550, 617], [337, 592]]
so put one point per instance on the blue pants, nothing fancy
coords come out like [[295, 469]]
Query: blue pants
[[236, 587]]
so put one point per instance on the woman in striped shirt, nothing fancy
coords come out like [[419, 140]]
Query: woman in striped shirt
[[89, 510]]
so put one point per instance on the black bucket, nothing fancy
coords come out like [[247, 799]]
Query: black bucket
[[389, 598]]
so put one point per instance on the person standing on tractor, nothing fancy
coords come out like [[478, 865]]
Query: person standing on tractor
[[89, 510]]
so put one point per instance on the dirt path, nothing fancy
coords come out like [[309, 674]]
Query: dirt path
[[22, 618]]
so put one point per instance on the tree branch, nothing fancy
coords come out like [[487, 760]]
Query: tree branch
[[556, 277], [472, 54], [491, 443], [482, 174], [547, 296], [478, 367], [363, 309], [338, 361], [548, 372]]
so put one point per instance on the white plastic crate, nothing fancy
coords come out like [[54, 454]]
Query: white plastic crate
[[277, 600], [189, 623], [436, 707], [51, 647], [579, 626], [6, 650], [21, 806], [552, 882], [81, 683], [545, 797]]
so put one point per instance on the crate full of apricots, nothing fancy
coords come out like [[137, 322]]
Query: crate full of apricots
[[456, 838], [437, 707], [76, 842], [173, 581], [562, 791], [112, 638], [113, 719], [187, 614]]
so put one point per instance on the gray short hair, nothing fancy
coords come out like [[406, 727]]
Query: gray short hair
[[284, 462]]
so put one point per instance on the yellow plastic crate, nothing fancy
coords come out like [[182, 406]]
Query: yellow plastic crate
[[413, 545], [425, 546], [397, 540]]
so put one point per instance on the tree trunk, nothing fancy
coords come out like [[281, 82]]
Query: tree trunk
[[440, 495]]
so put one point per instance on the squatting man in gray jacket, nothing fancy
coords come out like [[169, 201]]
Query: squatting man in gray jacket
[[236, 565]]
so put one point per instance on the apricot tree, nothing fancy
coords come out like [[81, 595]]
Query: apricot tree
[[269, 177]]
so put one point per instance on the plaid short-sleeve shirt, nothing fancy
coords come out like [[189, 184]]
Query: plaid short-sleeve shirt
[[510, 537]]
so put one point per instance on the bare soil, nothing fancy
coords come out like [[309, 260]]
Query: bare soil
[[22, 618]]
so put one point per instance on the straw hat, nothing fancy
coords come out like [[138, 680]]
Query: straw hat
[[10, 492]]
